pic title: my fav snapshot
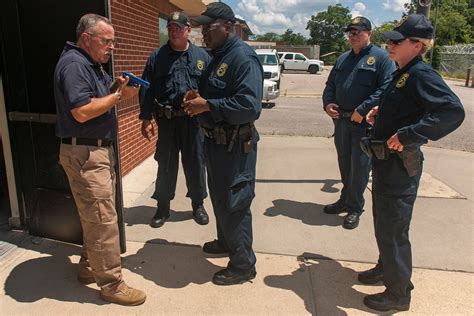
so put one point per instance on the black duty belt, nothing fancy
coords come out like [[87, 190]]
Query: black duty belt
[[86, 141], [345, 114], [168, 111], [229, 134]]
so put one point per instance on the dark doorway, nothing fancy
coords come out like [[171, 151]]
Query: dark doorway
[[37, 32]]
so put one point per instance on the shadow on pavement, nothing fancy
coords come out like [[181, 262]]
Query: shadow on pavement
[[171, 267], [328, 184], [307, 212], [143, 214], [331, 285], [52, 275]]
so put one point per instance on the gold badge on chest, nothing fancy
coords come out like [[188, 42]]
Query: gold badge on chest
[[200, 64], [403, 80], [371, 60], [222, 69]]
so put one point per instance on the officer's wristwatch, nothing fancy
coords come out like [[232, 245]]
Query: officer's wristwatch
[[118, 95]]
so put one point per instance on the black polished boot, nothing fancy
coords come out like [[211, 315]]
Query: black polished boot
[[385, 302], [351, 221], [335, 208], [161, 215], [371, 276], [230, 276], [199, 213], [214, 247]]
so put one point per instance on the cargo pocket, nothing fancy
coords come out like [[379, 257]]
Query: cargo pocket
[[241, 192]]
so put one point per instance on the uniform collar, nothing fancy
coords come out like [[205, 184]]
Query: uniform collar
[[70, 46], [187, 52], [412, 62], [363, 51], [229, 43]]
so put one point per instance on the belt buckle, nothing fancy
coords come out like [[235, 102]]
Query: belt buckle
[[168, 110]]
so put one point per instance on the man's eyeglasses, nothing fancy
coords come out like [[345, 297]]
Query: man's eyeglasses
[[177, 29], [210, 27], [353, 33], [104, 41]]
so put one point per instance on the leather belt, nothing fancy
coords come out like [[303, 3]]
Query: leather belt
[[86, 141], [345, 114]]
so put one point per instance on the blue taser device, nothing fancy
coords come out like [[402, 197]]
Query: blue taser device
[[134, 80]]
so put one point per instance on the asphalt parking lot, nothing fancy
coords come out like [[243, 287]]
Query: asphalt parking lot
[[298, 111]]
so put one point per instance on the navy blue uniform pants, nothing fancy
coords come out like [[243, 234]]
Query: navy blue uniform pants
[[354, 164], [231, 180], [175, 135], [393, 197]]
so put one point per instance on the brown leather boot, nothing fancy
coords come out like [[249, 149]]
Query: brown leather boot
[[84, 274], [123, 295]]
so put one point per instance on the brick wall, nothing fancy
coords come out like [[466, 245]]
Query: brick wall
[[136, 30]]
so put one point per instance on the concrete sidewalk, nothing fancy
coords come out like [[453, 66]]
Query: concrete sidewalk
[[306, 262]]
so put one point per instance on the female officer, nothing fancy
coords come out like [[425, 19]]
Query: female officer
[[417, 106]]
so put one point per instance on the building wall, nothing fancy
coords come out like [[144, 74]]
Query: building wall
[[137, 33]]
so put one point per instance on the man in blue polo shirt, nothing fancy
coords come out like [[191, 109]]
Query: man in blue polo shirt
[[87, 125], [172, 70], [352, 89]]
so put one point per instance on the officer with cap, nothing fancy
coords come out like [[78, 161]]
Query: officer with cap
[[417, 106], [227, 104], [352, 89], [172, 70]]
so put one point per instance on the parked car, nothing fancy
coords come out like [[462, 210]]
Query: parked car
[[270, 91], [297, 61], [271, 65]]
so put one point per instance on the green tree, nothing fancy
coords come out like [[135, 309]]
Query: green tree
[[454, 23], [455, 20], [327, 30], [268, 37], [291, 38]]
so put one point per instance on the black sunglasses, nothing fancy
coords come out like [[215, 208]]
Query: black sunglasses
[[396, 42], [399, 41]]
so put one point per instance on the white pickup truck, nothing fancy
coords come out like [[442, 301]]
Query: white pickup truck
[[297, 61]]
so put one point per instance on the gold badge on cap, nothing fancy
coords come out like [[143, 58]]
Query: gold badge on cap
[[222, 69], [176, 16], [403, 80], [355, 20], [200, 64], [402, 21], [371, 60]]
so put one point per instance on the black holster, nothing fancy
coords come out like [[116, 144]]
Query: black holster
[[375, 148], [410, 156], [411, 160]]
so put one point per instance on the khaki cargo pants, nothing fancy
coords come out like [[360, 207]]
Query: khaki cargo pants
[[91, 175]]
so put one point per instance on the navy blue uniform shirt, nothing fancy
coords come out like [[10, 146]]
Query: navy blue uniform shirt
[[78, 79], [418, 106], [232, 85], [356, 81], [171, 74]]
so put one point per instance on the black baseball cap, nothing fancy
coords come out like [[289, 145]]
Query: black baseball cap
[[414, 25], [179, 18], [359, 23], [214, 11]]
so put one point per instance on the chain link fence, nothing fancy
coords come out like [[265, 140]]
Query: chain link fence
[[456, 60]]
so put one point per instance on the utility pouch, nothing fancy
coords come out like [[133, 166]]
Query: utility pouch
[[247, 134], [411, 160]]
